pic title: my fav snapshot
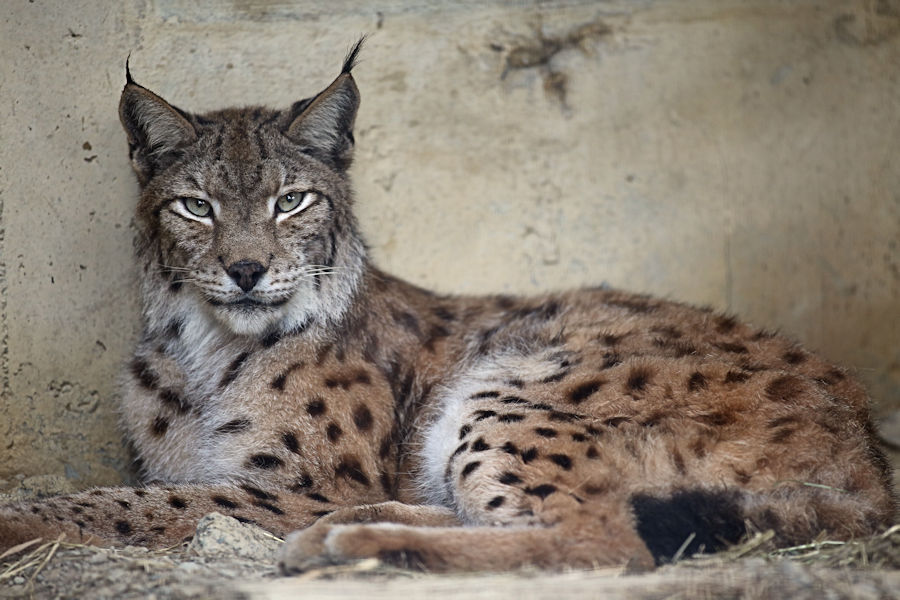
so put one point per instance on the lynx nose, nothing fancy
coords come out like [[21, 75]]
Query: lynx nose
[[246, 273]]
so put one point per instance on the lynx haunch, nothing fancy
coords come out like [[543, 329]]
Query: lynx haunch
[[283, 379]]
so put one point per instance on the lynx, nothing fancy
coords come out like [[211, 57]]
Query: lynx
[[282, 379]]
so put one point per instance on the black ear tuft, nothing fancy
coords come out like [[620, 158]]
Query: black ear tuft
[[350, 61], [128, 78], [323, 126], [157, 131]]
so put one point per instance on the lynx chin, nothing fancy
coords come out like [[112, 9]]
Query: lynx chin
[[283, 379]]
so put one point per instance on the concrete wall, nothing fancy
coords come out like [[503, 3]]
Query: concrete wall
[[743, 154]]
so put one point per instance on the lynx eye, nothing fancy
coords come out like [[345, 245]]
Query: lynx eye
[[293, 202], [197, 207], [289, 201]]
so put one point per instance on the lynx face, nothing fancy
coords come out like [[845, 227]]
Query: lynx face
[[247, 211]]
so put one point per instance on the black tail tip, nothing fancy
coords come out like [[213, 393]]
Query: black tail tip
[[688, 522], [350, 61]]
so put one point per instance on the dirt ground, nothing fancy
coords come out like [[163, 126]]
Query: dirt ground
[[232, 560], [227, 559]]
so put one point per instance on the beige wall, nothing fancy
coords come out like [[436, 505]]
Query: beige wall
[[743, 154]]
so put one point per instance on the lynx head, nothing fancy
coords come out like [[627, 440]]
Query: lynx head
[[245, 214]]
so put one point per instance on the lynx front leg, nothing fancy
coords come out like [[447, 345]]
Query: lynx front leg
[[442, 549], [306, 549]]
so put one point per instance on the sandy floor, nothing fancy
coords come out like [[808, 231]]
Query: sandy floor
[[228, 559]]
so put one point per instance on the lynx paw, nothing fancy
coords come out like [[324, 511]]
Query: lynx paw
[[325, 544]]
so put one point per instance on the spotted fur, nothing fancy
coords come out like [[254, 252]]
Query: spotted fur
[[283, 379]]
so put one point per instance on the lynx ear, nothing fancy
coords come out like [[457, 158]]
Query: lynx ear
[[324, 125], [156, 130]]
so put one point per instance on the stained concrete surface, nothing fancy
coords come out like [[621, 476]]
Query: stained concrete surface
[[742, 154]]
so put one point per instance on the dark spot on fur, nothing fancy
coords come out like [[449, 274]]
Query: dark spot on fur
[[351, 468], [303, 483], [733, 347], [144, 374], [583, 391], [545, 432], [725, 323], [510, 418], [638, 379], [480, 415], [334, 432], [832, 377], [264, 461], [561, 460], [508, 478], [513, 400], [559, 376], [697, 381], [564, 417], [793, 357], [510, 448], [469, 468], [176, 502], [593, 431], [541, 491], [123, 527], [460, 449], [362, 417], [224, 502], [579, 437], [233, 369], [496, 502], [160, 425], [480, 445], [464, 431], [124, 504], [138, 492], [592, 452], [737, 377], [318, 498], [174, 401], [258, 493], [489, 394], [290, 442], [315, 407], [233, 426], [278, 382], [269, 507], [784, 388], [515, 382], [529, 455]]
